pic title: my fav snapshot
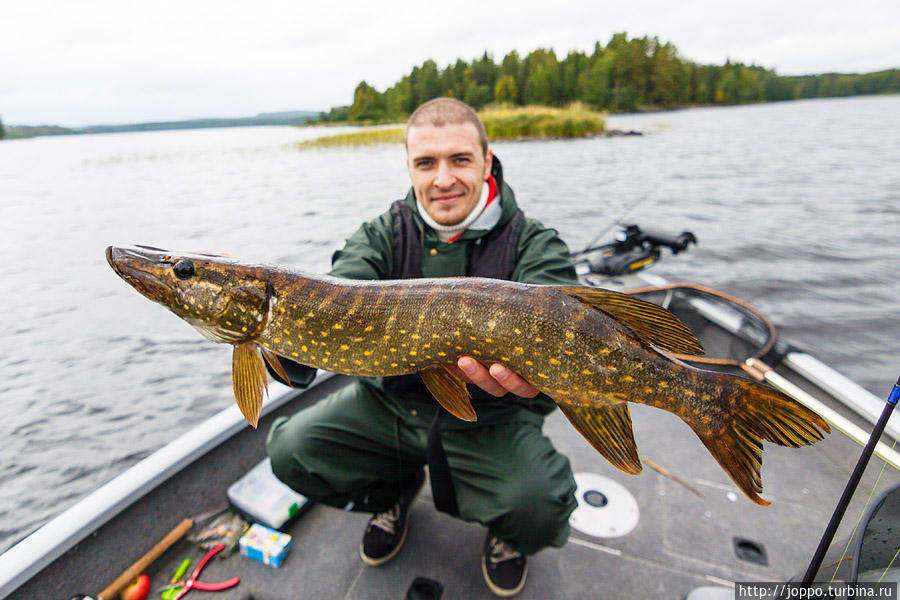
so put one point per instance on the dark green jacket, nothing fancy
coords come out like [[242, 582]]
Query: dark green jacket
[[542, 258]]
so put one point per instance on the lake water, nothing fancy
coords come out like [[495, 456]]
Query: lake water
[[796, 207]]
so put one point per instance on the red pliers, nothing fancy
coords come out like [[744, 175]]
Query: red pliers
[[192, 582]]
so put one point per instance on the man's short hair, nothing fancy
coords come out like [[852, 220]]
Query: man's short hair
[[442, 111]]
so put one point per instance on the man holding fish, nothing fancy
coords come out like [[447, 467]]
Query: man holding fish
[[365, 447]]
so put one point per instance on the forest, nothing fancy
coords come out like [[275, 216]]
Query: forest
[[625, 75]]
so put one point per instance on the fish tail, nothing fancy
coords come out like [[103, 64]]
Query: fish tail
[[760, 413]]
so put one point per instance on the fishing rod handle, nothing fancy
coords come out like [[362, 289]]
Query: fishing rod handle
[[142, 563]]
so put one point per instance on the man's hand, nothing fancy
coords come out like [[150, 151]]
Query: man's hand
[[497, 381]]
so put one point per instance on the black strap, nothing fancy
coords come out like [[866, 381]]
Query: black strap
[[439, 470]]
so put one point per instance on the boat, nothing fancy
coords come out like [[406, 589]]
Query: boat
[[678, 526]]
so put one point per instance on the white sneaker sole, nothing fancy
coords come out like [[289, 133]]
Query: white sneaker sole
[[499, 591], [375, 562]]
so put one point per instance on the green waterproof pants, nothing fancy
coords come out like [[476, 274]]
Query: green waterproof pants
[[351, 451]]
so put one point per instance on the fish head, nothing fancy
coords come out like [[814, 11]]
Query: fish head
[[224, 300]]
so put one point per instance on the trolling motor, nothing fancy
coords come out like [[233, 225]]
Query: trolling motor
[[633, 249]]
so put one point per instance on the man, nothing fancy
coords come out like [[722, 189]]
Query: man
[[365, 447]]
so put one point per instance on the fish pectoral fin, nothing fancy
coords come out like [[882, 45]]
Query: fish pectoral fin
[[608, 429], [273, 361], [650, 322], [248, 378], [449, 390]]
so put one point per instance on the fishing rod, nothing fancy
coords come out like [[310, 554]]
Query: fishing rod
[[841, 507]]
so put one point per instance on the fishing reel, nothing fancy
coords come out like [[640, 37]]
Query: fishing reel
[[633, 249]]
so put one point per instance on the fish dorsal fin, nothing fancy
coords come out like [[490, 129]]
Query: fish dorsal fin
[[449, 390], [608, 429], [650, 322], [276, 365], [248, 378]]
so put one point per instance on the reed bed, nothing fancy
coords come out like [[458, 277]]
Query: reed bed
[[501, 123]]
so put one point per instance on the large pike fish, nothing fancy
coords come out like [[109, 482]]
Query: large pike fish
[[591, 350]]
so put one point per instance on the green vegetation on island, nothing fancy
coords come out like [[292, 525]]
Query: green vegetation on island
[[623, 76], [502, 122]]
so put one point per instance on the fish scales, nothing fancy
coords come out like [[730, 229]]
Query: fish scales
[[591, 350]]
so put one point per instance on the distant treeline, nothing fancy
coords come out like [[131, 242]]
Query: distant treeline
[[625, 75], [296, 117]]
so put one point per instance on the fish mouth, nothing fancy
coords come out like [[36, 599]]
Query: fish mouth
[[144, 268]]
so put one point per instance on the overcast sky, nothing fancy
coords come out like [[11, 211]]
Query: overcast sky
[[126, 61]]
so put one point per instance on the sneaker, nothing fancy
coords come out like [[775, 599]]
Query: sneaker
[[503, 567], [386, 531]]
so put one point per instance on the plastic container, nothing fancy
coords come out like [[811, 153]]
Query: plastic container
[[266, 545], [264, 498]]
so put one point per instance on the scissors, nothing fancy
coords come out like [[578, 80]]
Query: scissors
[[192, 582]]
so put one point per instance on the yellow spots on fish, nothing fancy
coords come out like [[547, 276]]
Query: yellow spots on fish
[[343, 360], [368, 328], [421, 316], [415, 336], [294, 354], [367, 353], [324, 333], [311, 357], [403, 331], [627, 378], [403, 345], [310, 314], [303, 348], [570, 335], [186, 307], [468, 321], [563, 392], [434, 336], [491, 325], [568, 352], [337, 326], [427, 356], [359, 362], [476, 352], [489, 340], [286, 331], [300, 322], [537, 339], [517, 331], [688, 393], [346, 347], [586, 372], [459, 347], [324, 360], [504, 358], [228, 322], [706, 397], [565, 375], [376, 363], [529, 363], [604, 351], [619, 396], [244, 328], [648, 390], [314, 342], [608, 381], [412, 364], [412, 352], [442, 354], [575, 387], [358, 339], [519, 349], [392, 318], [242, 309], [281, 310], [662, 384], [456, 333], [426, 345], [593, 392], [277, 340], [288, 342], [542, 376], [554, 361], [449, 344], [393, 349], [393, 364]]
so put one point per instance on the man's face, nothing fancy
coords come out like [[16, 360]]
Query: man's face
[[447, 169]]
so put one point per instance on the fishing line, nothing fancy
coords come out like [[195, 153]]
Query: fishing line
[[628, 210], [888, 568], [861, 515]]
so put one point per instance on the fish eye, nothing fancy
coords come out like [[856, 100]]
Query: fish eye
[[184, 269]]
